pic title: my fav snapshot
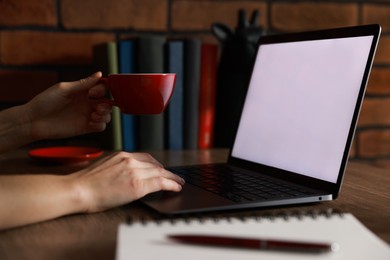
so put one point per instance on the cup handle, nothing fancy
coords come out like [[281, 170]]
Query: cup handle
[[104, 81]]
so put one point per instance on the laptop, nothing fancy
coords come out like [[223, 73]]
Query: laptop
[[295, 130]]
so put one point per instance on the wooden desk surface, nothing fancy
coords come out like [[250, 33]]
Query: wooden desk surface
[[365, 193]]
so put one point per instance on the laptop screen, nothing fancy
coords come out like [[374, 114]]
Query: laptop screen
[[300, 104]]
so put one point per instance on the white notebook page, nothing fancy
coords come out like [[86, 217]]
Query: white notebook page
[[139, 241]]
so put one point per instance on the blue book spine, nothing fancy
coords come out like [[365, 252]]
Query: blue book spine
[[126, 65], [174, 115]]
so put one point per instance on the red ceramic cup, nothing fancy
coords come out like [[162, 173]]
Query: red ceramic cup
[[141, 93]]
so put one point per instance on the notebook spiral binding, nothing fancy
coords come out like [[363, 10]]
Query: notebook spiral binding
[[286, 215]]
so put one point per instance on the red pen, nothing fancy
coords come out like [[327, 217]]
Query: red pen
[[252, 243]]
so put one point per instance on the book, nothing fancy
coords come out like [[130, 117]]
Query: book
[[149, 239], [174, 127], [207, 93], [126, 57], [192, 59], [150, 59], [105, 58]]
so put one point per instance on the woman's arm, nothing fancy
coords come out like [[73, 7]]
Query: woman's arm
[[14, 128], [63, 110], [113, 181]]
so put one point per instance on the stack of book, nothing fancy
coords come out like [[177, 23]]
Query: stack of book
[[188, 121]]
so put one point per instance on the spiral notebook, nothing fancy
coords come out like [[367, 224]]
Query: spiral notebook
[[148, 239]]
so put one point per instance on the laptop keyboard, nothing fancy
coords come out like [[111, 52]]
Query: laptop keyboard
[[238, 186]]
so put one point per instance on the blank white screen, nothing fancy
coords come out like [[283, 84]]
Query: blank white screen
[[300, 104]]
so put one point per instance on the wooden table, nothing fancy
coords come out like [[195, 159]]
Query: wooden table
[[365, 193]]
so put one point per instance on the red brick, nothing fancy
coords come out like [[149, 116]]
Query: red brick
[[110, 14], [204, 37], [22, 12], [383, 52], [21, 86], [374, 143], [311, 15], [379, 82], [33, 47], [377, 13], [200, 15], [375, 112]]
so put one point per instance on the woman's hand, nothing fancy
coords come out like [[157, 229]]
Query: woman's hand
[[121, 178], [69, 108], [113, 181]]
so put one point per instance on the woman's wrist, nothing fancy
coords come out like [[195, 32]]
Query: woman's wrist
[[78, 192], [15, 128]]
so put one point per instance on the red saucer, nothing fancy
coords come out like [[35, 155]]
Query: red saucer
[[65, 154]]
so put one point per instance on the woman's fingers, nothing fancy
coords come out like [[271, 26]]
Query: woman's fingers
[[84, 84], [148, 180]]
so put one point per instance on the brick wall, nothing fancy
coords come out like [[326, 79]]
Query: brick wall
[[46, 41]]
